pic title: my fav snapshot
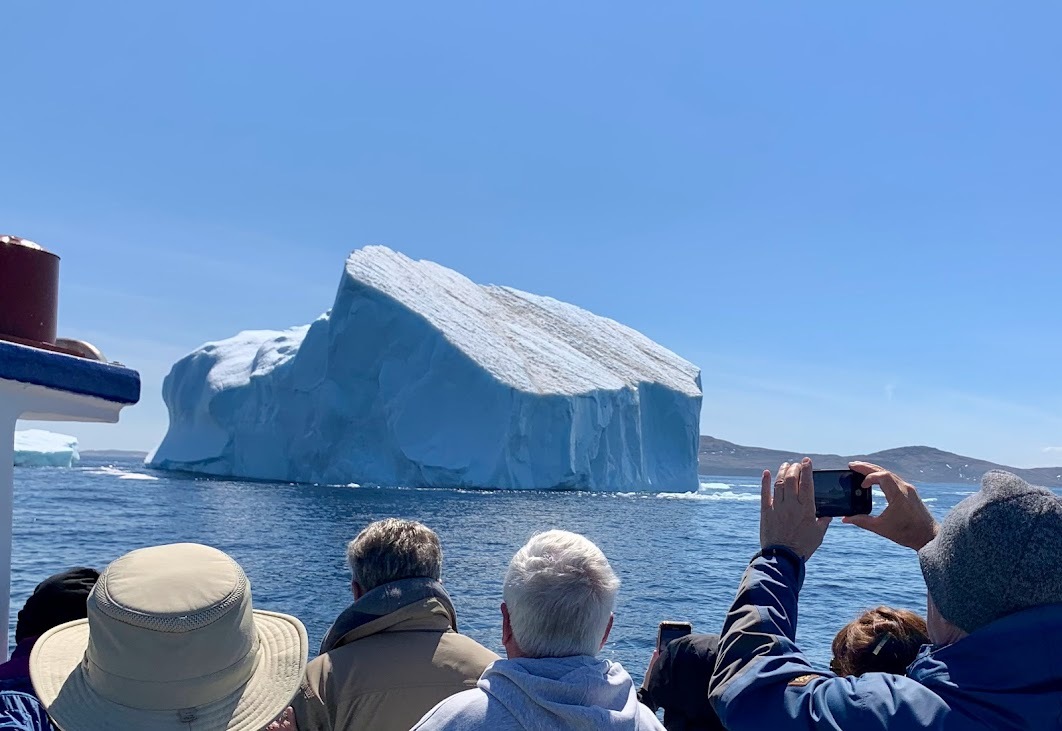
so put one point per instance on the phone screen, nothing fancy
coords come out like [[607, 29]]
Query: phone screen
[[840, 492], [671, 631]]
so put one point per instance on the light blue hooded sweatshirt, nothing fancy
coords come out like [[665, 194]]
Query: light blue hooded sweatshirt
[[545, 694]]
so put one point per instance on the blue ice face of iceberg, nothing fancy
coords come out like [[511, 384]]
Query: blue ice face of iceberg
[[40, 448], [418, 376]]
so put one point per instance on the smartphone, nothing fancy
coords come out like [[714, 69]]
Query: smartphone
[[840, 492], [671, 631]]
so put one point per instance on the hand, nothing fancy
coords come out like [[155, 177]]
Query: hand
[[906, 519], [787, 516], [652, 664], [286, 722]]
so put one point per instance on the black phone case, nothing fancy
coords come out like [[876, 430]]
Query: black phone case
[[860, 504]]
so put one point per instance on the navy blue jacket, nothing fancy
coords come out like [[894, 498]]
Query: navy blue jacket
[[22, 712], [1006, 675]]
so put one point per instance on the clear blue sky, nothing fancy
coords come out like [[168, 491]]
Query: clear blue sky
[[847, 214]]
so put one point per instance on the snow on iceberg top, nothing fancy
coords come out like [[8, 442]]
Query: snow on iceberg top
[[234, 361], [41, 440], [533, 343]]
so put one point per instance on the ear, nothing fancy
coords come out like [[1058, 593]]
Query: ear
[[608, 629], [507, 627], [356, 589]]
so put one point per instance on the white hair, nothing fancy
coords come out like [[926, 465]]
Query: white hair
[[560, 592]]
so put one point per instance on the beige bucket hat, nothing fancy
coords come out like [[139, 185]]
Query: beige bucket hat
[[171, 643]]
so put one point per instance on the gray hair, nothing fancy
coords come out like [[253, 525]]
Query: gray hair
[[393, 549], [560, 592]]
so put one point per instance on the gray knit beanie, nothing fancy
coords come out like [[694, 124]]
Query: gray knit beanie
[[999, 551]]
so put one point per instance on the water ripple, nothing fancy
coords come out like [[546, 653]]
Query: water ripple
[[679, 556]]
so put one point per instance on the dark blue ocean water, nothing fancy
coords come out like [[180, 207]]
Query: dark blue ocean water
[[680, 556]]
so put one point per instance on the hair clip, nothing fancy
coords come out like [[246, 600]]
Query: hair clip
[[881, 643]]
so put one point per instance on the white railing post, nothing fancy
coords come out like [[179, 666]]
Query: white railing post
[[7, 501]]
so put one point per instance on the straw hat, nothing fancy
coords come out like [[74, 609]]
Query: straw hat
[[171, 642]]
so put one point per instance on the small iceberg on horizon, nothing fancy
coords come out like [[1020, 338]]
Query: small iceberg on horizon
[[41, 448]]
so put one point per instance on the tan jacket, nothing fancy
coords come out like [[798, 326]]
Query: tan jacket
[[386, 674]]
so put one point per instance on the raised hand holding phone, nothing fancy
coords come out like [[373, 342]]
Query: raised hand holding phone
[[787, 513], [906, 520]]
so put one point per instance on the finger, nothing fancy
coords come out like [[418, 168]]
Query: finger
[[792, 478], [765, 491], [806, 483], [873, 478], [779, 485], [652, 664], [824, 523], [887, 482], [866, 522], [865, 468]]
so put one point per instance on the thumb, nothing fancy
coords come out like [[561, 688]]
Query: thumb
[[866, 522]]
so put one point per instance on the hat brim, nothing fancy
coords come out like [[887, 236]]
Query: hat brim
[[58, 676]]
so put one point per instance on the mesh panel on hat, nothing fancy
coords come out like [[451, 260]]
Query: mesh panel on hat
[[173, 623]]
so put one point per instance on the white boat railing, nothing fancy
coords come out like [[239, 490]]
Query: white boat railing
[[44, 385]]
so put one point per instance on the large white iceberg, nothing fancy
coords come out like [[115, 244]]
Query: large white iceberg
[[40, 448], [418, 376]]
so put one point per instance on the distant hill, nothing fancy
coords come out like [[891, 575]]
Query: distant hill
[[720, 457], [113, 454], [918, 464]]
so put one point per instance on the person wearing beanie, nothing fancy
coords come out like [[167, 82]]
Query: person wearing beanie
[[993, 571], [56, 600]]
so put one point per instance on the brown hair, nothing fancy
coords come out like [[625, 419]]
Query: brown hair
[[393, 549], [882, 640]]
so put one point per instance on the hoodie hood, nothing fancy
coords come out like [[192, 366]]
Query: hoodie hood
[[573, 693]]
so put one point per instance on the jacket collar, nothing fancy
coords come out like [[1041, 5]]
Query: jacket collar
[[1012, 653], [415, 603]]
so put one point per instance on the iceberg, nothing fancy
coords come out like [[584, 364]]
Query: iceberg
[[40, 448], [418, 376]]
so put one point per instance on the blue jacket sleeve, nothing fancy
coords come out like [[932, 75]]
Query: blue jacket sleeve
[[22, 712], [762, 680]]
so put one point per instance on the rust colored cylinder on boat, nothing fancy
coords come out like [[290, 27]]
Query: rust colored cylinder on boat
[[29, 290]]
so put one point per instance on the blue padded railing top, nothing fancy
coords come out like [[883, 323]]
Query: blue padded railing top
[[110, 381]]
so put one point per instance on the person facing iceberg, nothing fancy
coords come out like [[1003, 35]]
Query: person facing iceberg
[[559, 593]]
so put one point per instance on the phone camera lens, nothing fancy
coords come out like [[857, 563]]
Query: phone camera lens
[[858, 491]]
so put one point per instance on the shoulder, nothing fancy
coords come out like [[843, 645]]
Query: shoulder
[[874, 700], [465, 648], [467, 709], [647, 720], [318, 670], [774, 696], [351, 657]]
